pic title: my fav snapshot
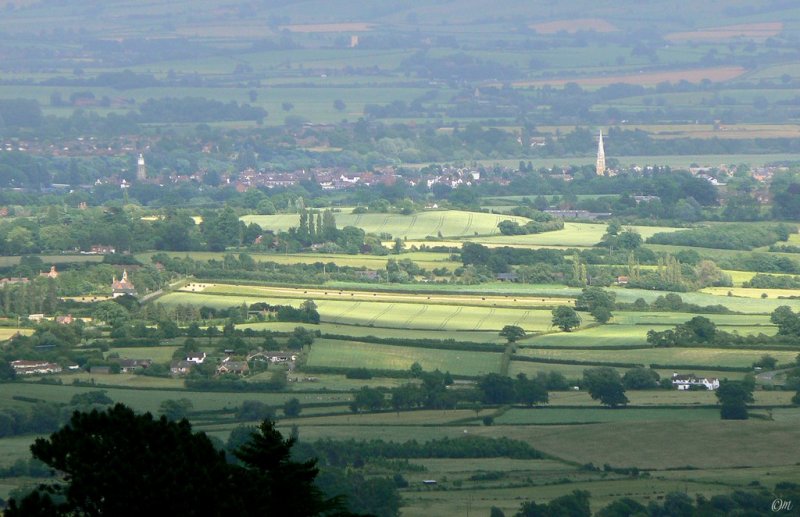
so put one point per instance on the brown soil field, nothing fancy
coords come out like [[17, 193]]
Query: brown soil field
[[750, 30], [695, 75], [330, 27], [582, 24]]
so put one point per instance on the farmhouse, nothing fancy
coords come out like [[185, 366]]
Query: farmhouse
[[234, 367], [22, 367], [14, 280], [50, 274], [181, 367], [122, 286], [507, 277], [65, 320], [100, 249], [578, 214], [131, 365], [368, 274], [272, 357], [685, 382], [197, 358]]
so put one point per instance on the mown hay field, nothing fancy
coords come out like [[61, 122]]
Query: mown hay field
[[751, 292], [9, 332], [320, 293]]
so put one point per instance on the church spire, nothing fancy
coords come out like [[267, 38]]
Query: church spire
[[601, 156]]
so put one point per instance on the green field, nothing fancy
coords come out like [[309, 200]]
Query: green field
[[477, 336], [379, 295], [594, 415], [420, 316], [425, 260], [448, 223], [573, 235], [150, 399], [748, 443], [680, 356], [574, 372], [354, 354]]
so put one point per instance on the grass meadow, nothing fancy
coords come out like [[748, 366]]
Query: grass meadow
[[354, 354], [425, 260], [447, 223], [707, 357], [573, 234]]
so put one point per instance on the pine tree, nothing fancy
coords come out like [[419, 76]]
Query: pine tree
[[328, 225], [312, 228], [302, 229]]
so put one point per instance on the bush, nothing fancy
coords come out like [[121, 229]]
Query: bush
[[358, 373]]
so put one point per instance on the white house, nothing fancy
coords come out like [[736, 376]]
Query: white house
[[196, 358], [685, 382]]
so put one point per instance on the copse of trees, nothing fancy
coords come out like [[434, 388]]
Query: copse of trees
[[500, 389], [733, 397], [598, 302], [725, 237], [605, 384], [565, 318], [543, 223]]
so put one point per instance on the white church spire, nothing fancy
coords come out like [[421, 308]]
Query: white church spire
[[601, 156]]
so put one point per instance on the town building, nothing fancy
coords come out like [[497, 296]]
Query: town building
[[141, 169]]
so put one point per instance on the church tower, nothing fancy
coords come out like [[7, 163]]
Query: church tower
[[601, 156], [141, 169]]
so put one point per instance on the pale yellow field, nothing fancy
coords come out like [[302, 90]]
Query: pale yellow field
[[746, 292], [329, 27], [694, 75], [8, 332], [580, 24], [757, 31]]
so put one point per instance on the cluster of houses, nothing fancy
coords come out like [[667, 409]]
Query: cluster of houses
[[24, 280], [692, 382], [22, 367], [229, 365]]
